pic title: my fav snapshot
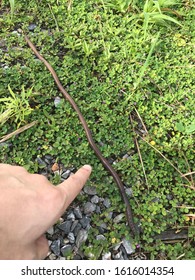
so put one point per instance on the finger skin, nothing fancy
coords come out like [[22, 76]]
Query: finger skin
[[55, 200], [73, 185], [29, 205]]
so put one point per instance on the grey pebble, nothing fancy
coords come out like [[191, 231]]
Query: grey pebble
[[81, 237], [90, 190], [49, 157], [77, 229], [169, 196], [118, 256], [66, 241], [107, 202], [74, 225], [98, 209], [66, 174], [103, 228], [50, 231], [95, 199], [106, 256], [52, 257], [57, 101], [89, 208], [71, 237], [129, 191], [71, 216], [100, 237], [32, 26], [118, 218], [110, 215], [85, 221], [78, 213], [55, 247], [65, 226], [41, 162], [128, 246]]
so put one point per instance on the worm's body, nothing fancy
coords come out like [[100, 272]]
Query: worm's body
[[92, 143]]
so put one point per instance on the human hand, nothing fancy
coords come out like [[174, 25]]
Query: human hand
[[29, 205]]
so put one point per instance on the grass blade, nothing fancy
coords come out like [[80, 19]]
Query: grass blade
[[143, 69], [12, 6]]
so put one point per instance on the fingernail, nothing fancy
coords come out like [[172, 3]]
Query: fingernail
[[87, 167]]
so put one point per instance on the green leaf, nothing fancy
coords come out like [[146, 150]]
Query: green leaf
[[165, 17], [11, 92], [180, 127], [190, 128]]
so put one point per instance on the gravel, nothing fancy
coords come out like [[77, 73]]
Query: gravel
[[69, 236]]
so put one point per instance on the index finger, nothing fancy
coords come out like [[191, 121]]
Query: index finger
[[60, 197], [73, 185]]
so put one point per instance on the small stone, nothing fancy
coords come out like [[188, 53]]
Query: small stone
[[107, 202], [118, 218], [66, 174], [65, 226], [90, 190], [81, 237], [48, 159], [106, 256], [116, 247], [55, 247], [77, 229], [100, 237], [103, 228], [129, 191], [71, 237], [32, 26], [40, 162], [74, 225], [126, 156], [52, 257], [124, 253], [57, 101], [109, 216], [95, 199], [128, 246], [118, 256], [71, 216], [66, 241], [98, 209], [77, 212], [66, 250], [89, 208], [85, 221], [169, 196], [50, 231]]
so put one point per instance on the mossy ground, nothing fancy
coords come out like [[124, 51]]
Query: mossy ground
[[99, 55]]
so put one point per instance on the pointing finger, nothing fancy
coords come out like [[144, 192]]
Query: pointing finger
[[73, 185]]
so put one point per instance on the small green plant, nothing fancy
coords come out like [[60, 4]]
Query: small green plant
[[189, 129], [154, 13], [12, 6], [15, 107], [120, 5], [102, 59], [145, 65]]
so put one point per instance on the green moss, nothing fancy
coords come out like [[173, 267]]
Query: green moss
[[98, 53]]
